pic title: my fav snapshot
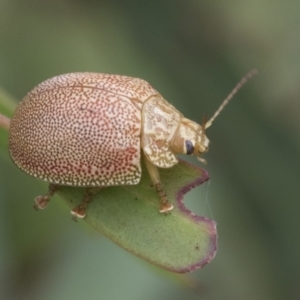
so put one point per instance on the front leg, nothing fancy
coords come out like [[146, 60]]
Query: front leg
[[165, 205]]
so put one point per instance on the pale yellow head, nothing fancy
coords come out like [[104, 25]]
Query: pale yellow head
[[190, 139]]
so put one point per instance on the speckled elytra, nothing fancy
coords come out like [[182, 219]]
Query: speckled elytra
[[91, 130]]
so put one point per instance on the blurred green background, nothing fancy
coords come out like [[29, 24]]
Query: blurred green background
[[193, 52]]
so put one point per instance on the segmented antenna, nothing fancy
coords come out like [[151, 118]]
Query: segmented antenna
[[231, 95]]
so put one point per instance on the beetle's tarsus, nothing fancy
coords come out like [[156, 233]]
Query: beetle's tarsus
[[42, 201], [165, 207], [80, 210]]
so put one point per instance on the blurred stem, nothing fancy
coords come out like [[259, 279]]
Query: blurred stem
[[4, 122]]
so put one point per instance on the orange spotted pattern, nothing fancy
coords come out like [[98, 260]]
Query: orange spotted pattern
[[81, 129]]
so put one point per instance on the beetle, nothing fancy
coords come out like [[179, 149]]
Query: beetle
[[92, 130]]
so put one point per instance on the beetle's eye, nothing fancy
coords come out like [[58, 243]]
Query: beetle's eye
[[189, 147]]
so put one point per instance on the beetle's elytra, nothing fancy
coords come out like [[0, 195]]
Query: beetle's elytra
[[92, 130]]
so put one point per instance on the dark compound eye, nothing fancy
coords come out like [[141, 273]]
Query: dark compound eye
[[189, 147]]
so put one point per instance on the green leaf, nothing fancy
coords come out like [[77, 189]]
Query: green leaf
[[128, 215]]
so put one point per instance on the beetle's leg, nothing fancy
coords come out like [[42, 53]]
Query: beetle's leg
[[165, 205], [79, 211], [42, 201]]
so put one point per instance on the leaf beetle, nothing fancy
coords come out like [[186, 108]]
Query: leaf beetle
[[92, 130]]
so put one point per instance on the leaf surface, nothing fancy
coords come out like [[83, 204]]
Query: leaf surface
[[179, 241]]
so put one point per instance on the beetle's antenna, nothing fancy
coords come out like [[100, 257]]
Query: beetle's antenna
[[203, 126], [231, 95]]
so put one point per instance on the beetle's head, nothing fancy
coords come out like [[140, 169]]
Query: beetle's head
[[190, 139]]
